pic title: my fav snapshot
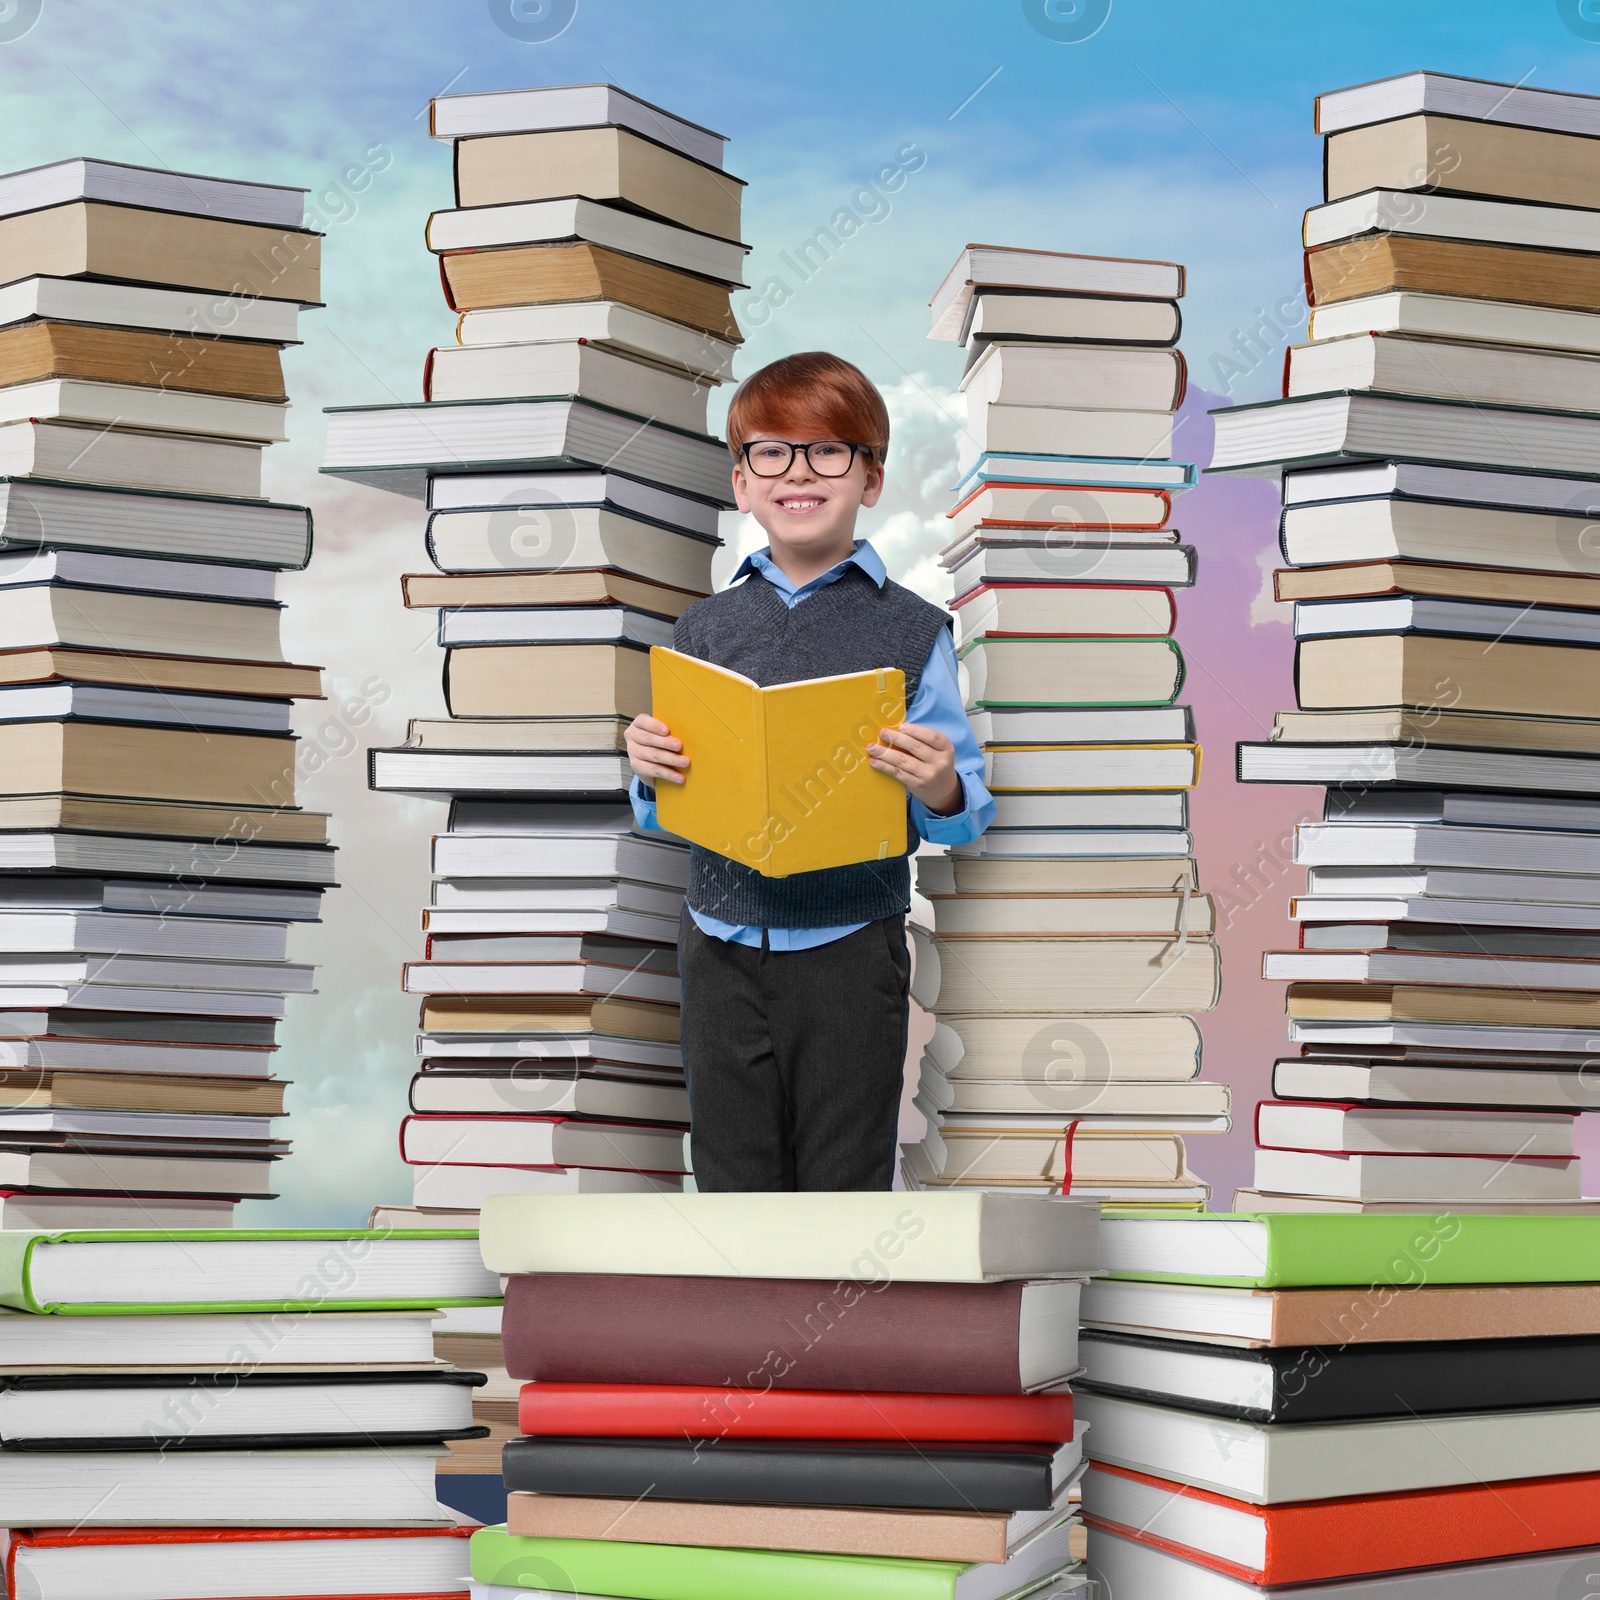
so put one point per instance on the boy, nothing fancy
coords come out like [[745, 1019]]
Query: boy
[[795, 989]]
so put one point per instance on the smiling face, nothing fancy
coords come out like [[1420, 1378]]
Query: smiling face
[[805, 514]]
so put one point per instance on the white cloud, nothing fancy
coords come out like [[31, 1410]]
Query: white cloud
[[1264, 607]]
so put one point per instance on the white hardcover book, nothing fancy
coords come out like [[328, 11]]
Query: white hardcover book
[[129, 405], [1428, 1180], [577, 105], [1446, 316], [607, 323], [1447, 216], [550, 221], [1278, 1463], [515, 371], [129, 305], [1443, 94], [152, 189]]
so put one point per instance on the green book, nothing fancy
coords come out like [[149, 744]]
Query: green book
[[117, 1272], [695, 1572], [1287, 1250]]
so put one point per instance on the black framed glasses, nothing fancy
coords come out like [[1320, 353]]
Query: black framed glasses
[[828, 458]]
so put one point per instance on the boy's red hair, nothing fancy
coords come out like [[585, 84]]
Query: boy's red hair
[[811, 393]]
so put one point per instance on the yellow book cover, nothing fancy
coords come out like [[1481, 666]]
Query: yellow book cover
[[778, 778]]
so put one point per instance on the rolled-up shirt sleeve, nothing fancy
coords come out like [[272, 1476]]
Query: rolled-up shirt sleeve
[[643, 797], [937, 704]]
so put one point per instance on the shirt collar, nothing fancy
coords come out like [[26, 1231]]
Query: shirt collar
[[861, 555]]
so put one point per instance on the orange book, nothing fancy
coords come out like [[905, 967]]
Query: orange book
[[1316, 1540]]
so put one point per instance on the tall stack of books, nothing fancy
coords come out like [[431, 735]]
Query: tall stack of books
[[858, 1395], [1439, 451], [1368, 1408], [573, 497], [214, 1415], [152, 856], [1069, 941]]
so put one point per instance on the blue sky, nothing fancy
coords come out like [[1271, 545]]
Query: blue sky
[[1175, 131]]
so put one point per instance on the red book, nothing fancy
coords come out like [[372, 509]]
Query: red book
[[250, 1563], [1315, 1540], [659, 1411]]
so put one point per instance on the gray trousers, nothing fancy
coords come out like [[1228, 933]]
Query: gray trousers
[[794, 1059]]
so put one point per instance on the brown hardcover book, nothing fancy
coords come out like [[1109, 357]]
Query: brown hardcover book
[[87, 813], [536, 735], [146, 763], [1356, 1316], [38, 350], [199, 674], [477, 1013], [547, 680], [1463, 674], [481, 1457], [1462, 730], [538, 274], [598, 586], [1389, 262], [1463, 156], [835, 1530], [906, 1337], [1354, 579], [1490, 1008], [599, 164], [139, 1091], [90, 240]]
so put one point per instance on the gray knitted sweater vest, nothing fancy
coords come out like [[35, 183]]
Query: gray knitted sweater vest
[[850, 625]]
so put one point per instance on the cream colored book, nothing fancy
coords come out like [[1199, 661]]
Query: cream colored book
[[1187, 1194], [988, 973], [554, 734], [953, 874], [1067, 1098], [1135, 1159], [967, 1238], [1011, 915], [1067, 1049]]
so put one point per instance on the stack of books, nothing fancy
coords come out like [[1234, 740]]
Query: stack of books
[[223, 1414], [573, 497], [1350, 1406], [858, 1395], [1070, 941], [152, 856], [1437, 448]]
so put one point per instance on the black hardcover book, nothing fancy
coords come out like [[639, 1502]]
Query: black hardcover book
[[300, 1409], [931, 1477], [1343, 1383]]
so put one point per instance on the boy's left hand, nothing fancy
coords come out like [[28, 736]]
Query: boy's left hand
[[924, 760]]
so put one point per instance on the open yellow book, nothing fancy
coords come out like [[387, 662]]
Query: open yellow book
[[778, 778]]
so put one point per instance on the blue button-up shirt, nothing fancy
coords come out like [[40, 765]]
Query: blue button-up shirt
[[937, 704]]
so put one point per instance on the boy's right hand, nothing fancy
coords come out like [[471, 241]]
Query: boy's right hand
[[652, 751]]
